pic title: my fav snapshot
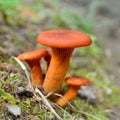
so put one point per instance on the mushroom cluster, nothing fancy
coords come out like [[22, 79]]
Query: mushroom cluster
[[61, 44]]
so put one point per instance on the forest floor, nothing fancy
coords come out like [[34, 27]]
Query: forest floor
[[19, 27]]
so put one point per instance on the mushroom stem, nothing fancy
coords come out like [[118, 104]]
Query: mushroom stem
[[36, 72], [68, 96], [57, 69], [48, 57]]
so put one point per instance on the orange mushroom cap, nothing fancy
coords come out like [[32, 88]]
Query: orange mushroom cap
[[36, 54], [64, 38], [77, 81]]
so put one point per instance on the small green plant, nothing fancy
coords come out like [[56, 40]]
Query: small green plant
[[4, 96], [41, 114]]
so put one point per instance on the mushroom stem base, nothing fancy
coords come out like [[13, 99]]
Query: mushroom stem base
[[68, 96]]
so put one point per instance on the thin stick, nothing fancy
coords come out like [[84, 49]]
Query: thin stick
[[25, 70], [92, 116], [49, 94], [55, 105], [47, 103]]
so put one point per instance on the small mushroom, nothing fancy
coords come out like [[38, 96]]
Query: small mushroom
[[74, 85], [33, 60], [62, 43]]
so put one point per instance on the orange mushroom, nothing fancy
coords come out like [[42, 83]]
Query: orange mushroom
[[74, 85], [62, 43], [33, 60]]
